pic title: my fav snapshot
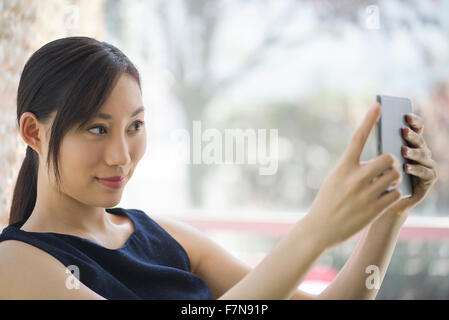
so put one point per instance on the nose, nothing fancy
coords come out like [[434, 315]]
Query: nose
[[117, 152]]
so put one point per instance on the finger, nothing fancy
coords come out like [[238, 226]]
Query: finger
[[415, 121], [382, 163], [384, 181], [420, 171], [360, 137], [422, 156], [415, 139], [387, 199]]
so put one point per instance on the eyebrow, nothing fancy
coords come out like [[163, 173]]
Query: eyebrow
[[108, 116]]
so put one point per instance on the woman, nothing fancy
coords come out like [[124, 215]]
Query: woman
[[79, 109]]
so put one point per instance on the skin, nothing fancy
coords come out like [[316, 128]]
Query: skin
[[114, 150]]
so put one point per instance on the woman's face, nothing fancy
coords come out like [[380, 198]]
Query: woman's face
[[106, 146]]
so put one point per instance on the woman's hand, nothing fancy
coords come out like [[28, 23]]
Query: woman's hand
[[350, 197], [423, 172]]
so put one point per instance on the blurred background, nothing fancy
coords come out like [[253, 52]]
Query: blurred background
[[309, 69]]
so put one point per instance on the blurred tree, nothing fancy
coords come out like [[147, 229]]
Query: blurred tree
[[190, 48], [190, 29]]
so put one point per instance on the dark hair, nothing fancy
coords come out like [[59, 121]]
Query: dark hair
[[74, 77]]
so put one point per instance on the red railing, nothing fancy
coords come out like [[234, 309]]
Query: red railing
[[416, 227]]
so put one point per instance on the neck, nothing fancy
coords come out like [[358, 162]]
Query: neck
[[57, 212]]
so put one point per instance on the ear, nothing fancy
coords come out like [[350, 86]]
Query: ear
[[31, 131]]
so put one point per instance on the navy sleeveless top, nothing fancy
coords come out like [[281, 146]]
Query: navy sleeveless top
[[151, 264]]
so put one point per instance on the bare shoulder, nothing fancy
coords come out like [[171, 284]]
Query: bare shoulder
[[27, 272]]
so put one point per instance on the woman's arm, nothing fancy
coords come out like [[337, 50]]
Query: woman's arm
[[214, 264], [377, 244], [374, 248], [279, 274], [335, 215], [27, 272]]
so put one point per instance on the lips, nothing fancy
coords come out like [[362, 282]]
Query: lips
[[116, 178], [112, 182]]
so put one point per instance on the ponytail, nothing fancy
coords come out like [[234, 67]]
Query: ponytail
[[24, 196]]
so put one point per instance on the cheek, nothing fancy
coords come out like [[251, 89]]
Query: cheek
[[138, 149], [77, 162]]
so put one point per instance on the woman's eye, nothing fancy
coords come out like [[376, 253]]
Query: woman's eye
[[101, 128], [139, 123], [96, 127]]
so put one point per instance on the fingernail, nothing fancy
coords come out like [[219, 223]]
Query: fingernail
[[409, 117]]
